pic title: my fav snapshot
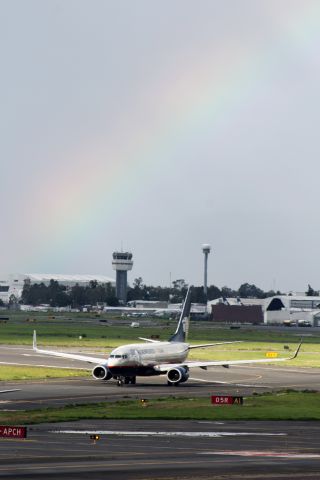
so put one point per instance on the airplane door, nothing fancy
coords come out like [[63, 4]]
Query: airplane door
[[136, 357]]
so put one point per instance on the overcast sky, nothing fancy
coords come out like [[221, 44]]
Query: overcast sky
[[156, 126]]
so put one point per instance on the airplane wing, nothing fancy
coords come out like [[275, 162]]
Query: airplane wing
[[12, 390], [205, 345], [82, 358], [223, 363]]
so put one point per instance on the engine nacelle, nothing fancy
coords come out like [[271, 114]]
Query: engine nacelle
[[101, 372], [177, 375]]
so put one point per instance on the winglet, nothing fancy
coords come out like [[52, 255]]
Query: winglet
[[297, 351], [34, 346]]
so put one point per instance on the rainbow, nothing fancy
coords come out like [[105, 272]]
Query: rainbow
[[83, 183]]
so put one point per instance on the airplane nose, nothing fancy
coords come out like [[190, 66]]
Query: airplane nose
[[114, 361]]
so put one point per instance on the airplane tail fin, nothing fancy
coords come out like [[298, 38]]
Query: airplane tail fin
[[181, 333]]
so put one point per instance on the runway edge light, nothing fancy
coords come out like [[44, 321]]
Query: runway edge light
[[94, 438]]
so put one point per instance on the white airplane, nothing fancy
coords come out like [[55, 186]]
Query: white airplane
[[167, 312], [127, 362]]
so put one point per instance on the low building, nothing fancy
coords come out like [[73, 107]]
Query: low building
[[222, 313], [236, 310]]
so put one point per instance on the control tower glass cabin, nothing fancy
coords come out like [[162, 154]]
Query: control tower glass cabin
[[121, 263]]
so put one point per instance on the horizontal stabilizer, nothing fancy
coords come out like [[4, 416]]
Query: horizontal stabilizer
[[150, 340], [205, 345]]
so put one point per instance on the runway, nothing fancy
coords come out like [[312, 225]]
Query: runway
[[236, 380], [158, 449]]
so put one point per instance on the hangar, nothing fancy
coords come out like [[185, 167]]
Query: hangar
[[292, 308]]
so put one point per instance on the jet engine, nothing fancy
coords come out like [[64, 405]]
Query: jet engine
[[177, 375], [101, 372]]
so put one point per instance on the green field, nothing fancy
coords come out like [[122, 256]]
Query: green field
[[65, 331], [280, 406]]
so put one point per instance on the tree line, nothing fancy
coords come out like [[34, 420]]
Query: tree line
[[140, 291], [57, 295]]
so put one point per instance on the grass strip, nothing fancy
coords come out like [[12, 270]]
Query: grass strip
[[66, 332], [12, 372], [288, 405]]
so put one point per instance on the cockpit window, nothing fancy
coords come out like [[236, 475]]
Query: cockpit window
[[124, 356], [117, 356]]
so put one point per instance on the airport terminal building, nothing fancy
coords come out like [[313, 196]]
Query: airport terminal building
[[12, 284]]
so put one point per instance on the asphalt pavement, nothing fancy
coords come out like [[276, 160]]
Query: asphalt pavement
[[158, 449]]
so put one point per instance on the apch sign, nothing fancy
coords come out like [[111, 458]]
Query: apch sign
[[10, 431]]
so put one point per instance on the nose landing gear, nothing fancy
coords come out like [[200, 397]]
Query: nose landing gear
[[125, 380]]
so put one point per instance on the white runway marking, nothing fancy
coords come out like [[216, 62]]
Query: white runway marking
[[257, 453], [229, 383], [167, 434], [211, 422]]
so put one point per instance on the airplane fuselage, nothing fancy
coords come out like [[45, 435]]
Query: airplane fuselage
[[141, 358]]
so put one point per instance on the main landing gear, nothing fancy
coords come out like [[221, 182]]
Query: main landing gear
[[126, 381]]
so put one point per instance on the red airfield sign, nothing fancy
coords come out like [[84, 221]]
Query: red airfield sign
[[10, 431], [226, 400]]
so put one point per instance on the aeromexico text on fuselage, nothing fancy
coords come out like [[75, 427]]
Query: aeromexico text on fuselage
[[140, 359]]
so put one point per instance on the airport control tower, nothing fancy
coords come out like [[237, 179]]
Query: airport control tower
[[121, 263], [206, 250]]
